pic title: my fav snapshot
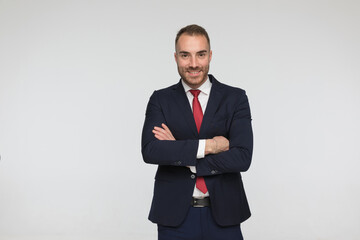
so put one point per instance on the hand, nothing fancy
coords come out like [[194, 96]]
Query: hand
[[222, 144], [216, 145], [163, 133]]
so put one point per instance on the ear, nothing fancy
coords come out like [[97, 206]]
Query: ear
[[210, 55], [175, 56]]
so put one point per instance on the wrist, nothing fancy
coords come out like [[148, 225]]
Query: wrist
[[215, 146], [210, 146]]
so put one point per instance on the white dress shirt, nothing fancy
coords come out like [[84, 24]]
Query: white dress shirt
[[203, 99]]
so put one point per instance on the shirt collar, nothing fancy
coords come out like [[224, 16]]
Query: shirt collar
[[204, 88]]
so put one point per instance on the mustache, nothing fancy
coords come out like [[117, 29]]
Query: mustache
[[193, 69]]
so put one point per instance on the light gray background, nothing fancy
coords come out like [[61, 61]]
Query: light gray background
[[72, 74]]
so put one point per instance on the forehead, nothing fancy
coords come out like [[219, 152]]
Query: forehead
[[192, 43]]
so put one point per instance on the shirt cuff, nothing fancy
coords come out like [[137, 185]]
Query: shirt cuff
[[192, 169], [201, 149]]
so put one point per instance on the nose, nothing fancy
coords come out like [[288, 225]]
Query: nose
[[193, 62]]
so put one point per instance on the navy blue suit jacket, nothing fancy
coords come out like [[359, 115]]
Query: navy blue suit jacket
[[227, 114]]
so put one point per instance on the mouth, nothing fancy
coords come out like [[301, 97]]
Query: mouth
[[194, 73]]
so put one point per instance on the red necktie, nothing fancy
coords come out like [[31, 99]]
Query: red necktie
[[198, 116]]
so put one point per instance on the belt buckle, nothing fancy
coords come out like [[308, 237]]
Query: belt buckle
[[202, 202], [196, 204]]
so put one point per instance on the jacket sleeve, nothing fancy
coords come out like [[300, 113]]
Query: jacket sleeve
[[154, 151], [238, 157]]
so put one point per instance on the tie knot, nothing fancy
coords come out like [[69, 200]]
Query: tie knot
[[195, 93]]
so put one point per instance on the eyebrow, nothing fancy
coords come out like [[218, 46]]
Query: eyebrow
[[202, 51]]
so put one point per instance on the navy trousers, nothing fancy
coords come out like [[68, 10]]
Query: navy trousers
[[199, 225]]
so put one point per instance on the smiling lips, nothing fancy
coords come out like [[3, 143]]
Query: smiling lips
[[194, 73]]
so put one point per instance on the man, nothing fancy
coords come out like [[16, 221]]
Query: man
[[199, 133]]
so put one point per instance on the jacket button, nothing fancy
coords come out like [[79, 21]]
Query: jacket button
[[179, 162], [192, 176], [213, 171]]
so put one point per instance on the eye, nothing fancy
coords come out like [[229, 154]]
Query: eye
[[202, 55], [184, 55]]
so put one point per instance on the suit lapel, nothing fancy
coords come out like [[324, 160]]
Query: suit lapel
[[211, 108], [184, 106], [212, 105]]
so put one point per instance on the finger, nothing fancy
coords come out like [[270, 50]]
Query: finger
[[161, 135], [161, 131], [165, 127], [167, 130], [165, 133]]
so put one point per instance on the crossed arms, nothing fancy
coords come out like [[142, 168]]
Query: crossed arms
[[212, 146], [222, 155]]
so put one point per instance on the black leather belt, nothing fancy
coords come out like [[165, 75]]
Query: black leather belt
[[203, 202]]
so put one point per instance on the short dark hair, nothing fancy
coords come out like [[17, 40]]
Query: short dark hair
[[192, 30]]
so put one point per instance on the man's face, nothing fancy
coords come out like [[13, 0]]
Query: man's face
[[193, 56]]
